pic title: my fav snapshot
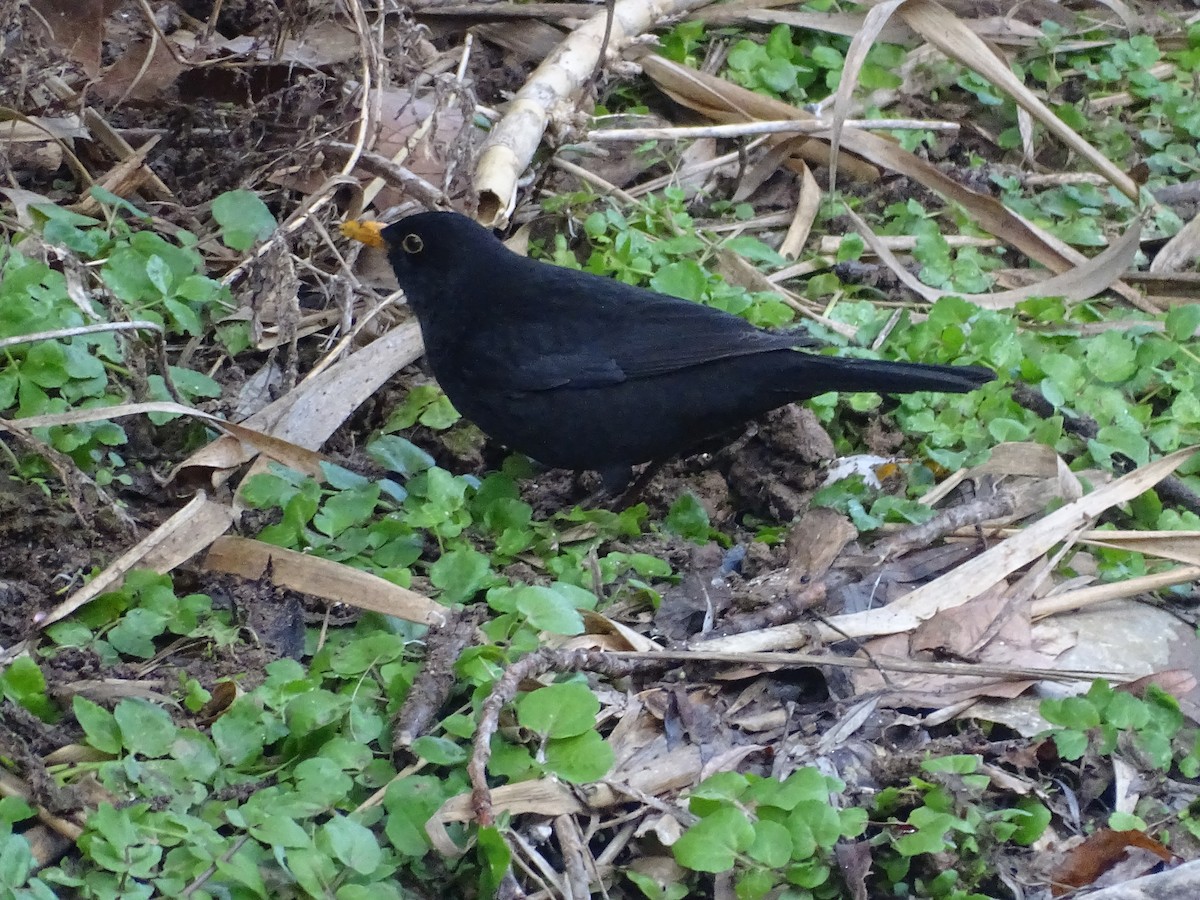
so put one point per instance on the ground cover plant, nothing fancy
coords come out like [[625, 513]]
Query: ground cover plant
[[278, 622]]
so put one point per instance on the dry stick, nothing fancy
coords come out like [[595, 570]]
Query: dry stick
[[444, 643], [1082, 598], [975, 512], [780, 612], [505, 689], [742, 129], [410, 144], [514, 140], [697, 168], [1171, 489], [790, 660], [72, 477], [502, 11], [200, 880], [380, 166], [322, 197], [608, 24]]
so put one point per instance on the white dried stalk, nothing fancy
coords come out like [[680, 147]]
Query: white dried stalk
[[558, 80]]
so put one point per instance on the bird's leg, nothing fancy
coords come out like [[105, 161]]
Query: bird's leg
[[615, 479], [617, 492], [633, 493]]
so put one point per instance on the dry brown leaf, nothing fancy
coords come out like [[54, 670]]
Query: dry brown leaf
[[947, 32], [1180, 252], [307, 415], [807, 206], [1084, 281], [144, 71], [873, 24], [543, 797], [299, 458], [174, 541], [322, 578], [977, 575], [1100, 852], [76, 27], [723, 101]]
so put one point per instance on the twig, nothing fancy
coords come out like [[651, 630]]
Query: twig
[[741, 129], [505, 689], [1170, 490], [317, 201], [443, 645], [382, 167], [608, 24], [975, 512]]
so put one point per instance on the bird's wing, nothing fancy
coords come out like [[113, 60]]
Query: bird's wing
[[584, 331], [667, 336], [617, 345]]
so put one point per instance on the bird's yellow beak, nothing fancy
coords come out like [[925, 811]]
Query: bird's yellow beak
[[369, 233]]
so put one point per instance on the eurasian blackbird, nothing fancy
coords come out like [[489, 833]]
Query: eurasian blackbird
[[583, 372]]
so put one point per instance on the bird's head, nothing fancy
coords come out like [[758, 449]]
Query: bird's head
[[429, 251]]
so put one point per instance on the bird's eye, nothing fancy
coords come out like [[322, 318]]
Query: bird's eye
[[412, 244]]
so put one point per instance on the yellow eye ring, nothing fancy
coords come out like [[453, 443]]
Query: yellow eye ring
[[412, 244]]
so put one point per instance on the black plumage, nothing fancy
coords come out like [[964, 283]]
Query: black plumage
[[584, 372]]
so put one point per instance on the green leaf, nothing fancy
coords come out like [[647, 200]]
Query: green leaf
[[313, 710], [1123, 821], [134, 634], [959, 764], [194, 384], [494, 860], [1034, 822], [772, 844], [826, 57], [243, 218], [688, 518], [108, 198], [146, 729], [1124, 440], [353, 844], [460, 574], [559, 710], [159, 274], [98, 725], [1071, 712], [1183, 322], [399, 455], [813, 825], [409, 802], [46, 365], [1071, 744], [548, 609], [778, 74], [23, 683], [240, 733], [279, 831], [684, 278], [713, 843], [346, 509], [1111, 357], [440, 414], [439, 751], [581, 759]]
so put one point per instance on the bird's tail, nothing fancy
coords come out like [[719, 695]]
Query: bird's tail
[[835, 373]]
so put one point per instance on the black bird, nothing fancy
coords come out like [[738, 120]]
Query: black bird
[[583, 372]]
